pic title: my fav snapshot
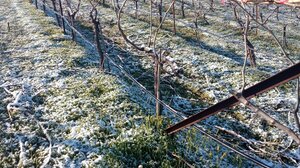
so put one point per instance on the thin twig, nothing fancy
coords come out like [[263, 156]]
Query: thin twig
[[266, 117]]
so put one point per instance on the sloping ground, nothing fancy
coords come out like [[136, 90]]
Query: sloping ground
[[73, 116]]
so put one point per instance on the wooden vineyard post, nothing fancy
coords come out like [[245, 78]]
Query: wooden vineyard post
[[62, 16], [157, 71], [263, 86], [56, 15]]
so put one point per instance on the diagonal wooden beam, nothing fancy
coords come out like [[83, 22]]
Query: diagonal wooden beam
[[268, 84]]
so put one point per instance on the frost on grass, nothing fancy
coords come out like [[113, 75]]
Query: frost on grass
[[89, 117], [94, 117]]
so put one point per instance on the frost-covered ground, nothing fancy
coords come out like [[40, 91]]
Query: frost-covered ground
[[211, 68], [73, 115], [95, 119]]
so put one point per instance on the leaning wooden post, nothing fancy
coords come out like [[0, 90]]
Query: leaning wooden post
[[62, 16], [56, 15]]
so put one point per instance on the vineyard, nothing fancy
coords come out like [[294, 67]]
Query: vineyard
[[138, 83]]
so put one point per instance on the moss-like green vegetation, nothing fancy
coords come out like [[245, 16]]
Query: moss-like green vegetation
[[148, 147]]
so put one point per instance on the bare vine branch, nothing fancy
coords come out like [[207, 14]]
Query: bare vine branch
[[268, 118]]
